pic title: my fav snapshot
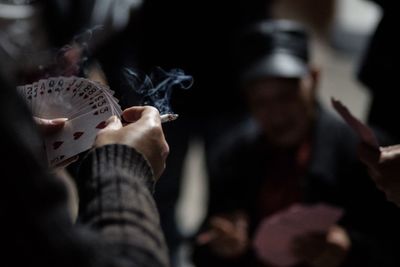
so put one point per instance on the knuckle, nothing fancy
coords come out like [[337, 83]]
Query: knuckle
[[166, 151], [155, 130], [151, 110]]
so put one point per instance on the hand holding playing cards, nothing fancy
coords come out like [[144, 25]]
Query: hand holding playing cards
[[323, 249], [144, 133], [227, 237], [85, 103], [384, 169]]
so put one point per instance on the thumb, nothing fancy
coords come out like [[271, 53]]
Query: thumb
[[113, 123], [133, 114], [50, 126]]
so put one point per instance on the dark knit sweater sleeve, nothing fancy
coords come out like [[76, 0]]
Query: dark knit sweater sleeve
[[115, 184]]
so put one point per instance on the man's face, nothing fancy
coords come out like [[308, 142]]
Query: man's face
[[283, 107]]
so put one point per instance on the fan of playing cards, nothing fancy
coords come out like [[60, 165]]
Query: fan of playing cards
[[86, 104]]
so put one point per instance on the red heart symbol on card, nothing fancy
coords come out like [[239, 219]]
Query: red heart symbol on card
[[57, 144], [101, 125], [78, 135]]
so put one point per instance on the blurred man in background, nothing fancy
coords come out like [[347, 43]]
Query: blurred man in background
[[291, 151]]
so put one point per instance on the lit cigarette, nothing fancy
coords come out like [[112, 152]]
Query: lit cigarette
[[168, 117]]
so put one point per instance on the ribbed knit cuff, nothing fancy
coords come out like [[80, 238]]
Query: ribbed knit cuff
[[117, 159]]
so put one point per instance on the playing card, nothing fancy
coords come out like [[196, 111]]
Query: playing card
[[276, 234], [93, 103], [109, 94], [78, 135], [86, 104], [38, 91], [363, 131], [29, 94]]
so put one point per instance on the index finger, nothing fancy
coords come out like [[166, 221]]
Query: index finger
[[133, 114]]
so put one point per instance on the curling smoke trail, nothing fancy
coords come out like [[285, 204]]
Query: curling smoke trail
[[156, 89]]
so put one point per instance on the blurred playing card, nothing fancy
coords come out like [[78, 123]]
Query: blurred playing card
[[85, 103], [364, 132], [275, 235]]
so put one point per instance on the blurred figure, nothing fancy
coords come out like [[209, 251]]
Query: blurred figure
[[290, 151], [379, 68]]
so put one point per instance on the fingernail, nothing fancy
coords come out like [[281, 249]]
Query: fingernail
[[58, 120]]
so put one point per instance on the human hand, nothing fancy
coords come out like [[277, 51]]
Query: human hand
[[227, 235], [49, 127], [143, 133], [384, 169], [323, 249]]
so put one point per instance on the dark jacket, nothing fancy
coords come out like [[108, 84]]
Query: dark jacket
[[334, 176]]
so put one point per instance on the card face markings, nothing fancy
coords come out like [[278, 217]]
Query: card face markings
[[86, 104]]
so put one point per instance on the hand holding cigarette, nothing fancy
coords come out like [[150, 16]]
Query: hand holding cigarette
[[143, 133]]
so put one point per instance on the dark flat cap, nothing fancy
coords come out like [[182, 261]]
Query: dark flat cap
[[273, 48]]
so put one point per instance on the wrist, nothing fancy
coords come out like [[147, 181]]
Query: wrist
[[117, 159]]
